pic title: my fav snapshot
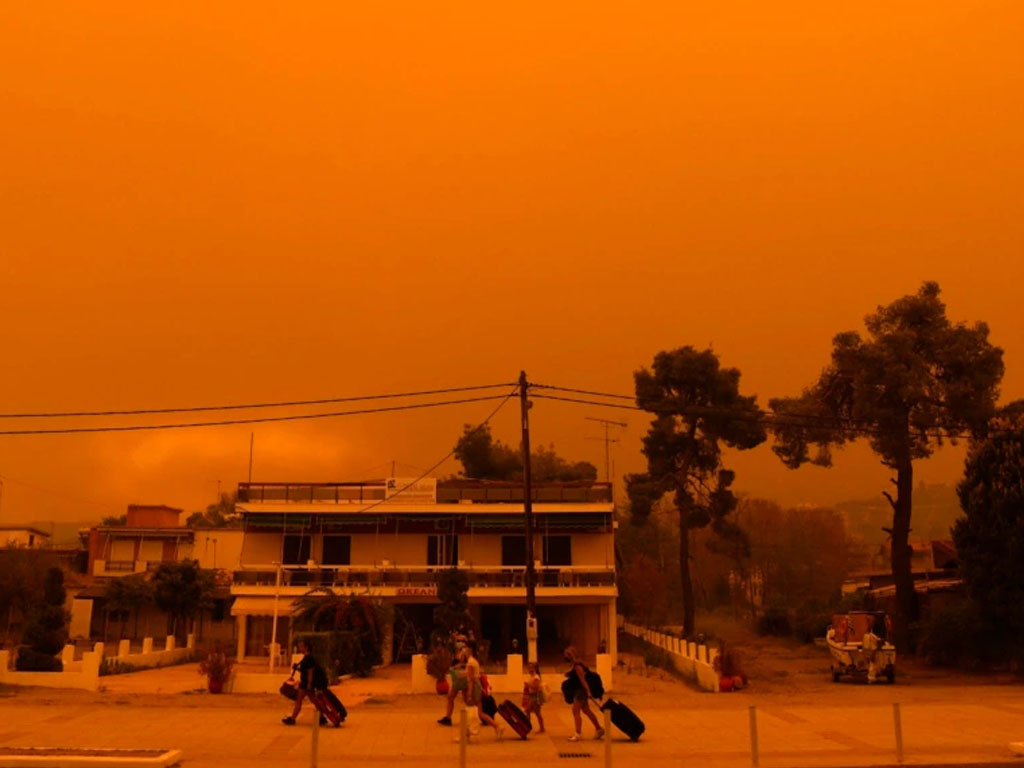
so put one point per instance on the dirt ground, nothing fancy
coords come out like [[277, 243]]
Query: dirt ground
[[800, 671]]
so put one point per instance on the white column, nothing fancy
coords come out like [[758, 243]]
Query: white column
[[242, 620]]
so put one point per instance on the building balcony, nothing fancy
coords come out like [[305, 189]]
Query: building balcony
[[118, 567], [448, 492], [371, 577]]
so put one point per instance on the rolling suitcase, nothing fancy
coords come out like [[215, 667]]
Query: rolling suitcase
[[516, 718], [624, 719], [327, 704], [335, 702]]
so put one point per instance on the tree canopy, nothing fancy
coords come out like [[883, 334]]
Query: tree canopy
[[220, 514], [990, 536], [181, 590], [484, 458], [698, 410], [914, 381]]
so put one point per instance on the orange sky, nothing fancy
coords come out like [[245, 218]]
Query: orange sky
[[229, 202]]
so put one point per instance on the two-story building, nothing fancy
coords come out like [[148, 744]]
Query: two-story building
[[153, 534], [374, 538]]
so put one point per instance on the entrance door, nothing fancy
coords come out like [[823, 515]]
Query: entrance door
[[499, 624]]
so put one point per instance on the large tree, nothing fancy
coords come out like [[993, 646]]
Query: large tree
[[484, 458], [698, 410], [914, 381], [182, 590], [990, 536]]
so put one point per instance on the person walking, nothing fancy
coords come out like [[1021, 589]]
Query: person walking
[[474, 695], [576, 685], [311, 678], [457, 686], [533, 694]]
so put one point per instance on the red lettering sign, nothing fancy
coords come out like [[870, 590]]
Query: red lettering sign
[[416, 591]]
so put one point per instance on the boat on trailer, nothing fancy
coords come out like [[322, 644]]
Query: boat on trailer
[[861, 646]]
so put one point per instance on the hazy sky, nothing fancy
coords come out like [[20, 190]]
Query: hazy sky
[[235, 202]]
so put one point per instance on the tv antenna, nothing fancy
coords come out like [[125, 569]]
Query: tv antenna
[[608, 440]]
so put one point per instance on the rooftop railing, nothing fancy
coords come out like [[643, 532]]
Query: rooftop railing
[[449, 492]]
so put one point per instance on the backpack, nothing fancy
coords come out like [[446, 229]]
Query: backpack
[[594, 683]]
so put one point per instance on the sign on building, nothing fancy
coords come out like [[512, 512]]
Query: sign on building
[[409, 490]]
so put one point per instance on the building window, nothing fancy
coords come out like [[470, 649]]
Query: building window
[[513, 550], [337, 550], [442, 550], [296, 549], [558, 550]]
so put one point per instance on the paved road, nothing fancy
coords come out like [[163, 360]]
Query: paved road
[[842, 725]]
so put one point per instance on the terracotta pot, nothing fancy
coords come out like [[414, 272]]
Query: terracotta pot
[[442, 687], [215, 684]]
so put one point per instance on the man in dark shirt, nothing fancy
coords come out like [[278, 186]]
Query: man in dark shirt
[[311, 677]]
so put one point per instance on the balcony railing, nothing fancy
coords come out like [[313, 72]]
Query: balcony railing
[[376, 576], [450, 492]]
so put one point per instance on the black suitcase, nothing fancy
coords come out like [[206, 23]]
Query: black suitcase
[[624, 719], [516, 718]]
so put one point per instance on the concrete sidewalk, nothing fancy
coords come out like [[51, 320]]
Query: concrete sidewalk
[[852, 726]]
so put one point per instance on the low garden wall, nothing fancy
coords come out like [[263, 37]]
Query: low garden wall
[[84, 673], [694, 662]]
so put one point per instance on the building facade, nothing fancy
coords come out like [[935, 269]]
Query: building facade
[[23, 536], [390, 538], [152, 535]]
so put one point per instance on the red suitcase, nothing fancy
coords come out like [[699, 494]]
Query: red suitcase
[[515, 717], [328, 705]]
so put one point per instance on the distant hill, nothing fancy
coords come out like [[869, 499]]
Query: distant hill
[[936, 507], [63, 534]]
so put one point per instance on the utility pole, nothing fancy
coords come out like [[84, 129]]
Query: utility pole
[[252, 439], [530, 575], [607, 440]]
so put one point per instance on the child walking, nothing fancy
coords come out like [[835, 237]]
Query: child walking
[[533, 694]]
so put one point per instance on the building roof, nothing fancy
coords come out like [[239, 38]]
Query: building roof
[[28, 528]]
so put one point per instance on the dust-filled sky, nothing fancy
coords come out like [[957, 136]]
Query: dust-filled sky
[[205, 203]]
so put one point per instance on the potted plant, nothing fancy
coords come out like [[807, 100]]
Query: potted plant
[[216, 665]]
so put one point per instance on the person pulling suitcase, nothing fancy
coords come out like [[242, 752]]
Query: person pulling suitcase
[[312, 679]]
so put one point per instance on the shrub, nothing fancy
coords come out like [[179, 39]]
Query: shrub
[[810, 624], [955, 635], [342, 652], [34, 661], [775, 622]]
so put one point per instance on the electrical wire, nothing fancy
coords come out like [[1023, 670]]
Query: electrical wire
[[581, 391], [248, 406], [770, 418], [430, 470], [257, 420]]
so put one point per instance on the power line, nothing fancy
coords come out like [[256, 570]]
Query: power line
[[769, 418], [248, 406], [260, 420], [430, 470], [582, 391]]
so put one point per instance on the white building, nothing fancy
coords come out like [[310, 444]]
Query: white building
[[363, 538], [23, 536]]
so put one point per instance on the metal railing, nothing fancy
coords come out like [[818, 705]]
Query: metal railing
[[375, 576], [452, 492]]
